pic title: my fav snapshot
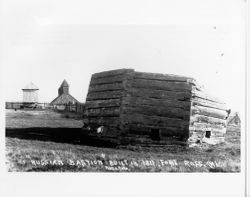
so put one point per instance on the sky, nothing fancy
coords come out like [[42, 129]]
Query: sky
[[46, 42]]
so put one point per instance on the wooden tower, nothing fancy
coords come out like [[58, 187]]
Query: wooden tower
[[30, 93]]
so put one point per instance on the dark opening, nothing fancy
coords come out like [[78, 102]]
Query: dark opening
[[155, 134], [208, 134]]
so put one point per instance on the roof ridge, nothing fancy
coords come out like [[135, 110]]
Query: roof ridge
[[65, 83]]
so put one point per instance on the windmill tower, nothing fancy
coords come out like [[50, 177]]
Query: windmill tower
[[30, 94]]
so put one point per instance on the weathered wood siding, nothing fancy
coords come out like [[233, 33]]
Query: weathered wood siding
[[207, 115], [133, 106], [104, 100], [30, 96], [156, 101]]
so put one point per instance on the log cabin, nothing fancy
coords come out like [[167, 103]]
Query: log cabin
[[129, 107]]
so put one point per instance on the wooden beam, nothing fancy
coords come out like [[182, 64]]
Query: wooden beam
[[103, 103], [112, 73], [161, 111], [141, 129], [162, 85], [207, 103], [206, 111], [155, 121], [164, 77], [102, 112], [144, 101], [105, 95], [108, 80], [106, 87], [160, 94], [104, 121], [207, 119], [207, 126], [203, 128], [203, 95]]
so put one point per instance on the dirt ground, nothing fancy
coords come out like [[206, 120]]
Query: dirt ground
[[49, 141]]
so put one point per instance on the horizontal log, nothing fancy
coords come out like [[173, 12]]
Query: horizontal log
[[112, 73], [208, 112], [206, 103], [108, 80], [203, 129], [138, 129], [161, 85], [174, 132], [141, 129], [207, 126], [103, 103], [105, 95], [106, 87], [203, 95], [103, 121], [218, 133], [134, 139], [100, 112], [196, 86], [155, 121], [206, 119], [160, 111], [164, 77], [160, 94], [144, 101]]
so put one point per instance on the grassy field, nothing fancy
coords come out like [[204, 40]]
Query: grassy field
[[43, 154], [41, 118]]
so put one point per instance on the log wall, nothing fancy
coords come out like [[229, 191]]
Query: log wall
[[137, 106], [104, 99], [207, 118], [156, 101]]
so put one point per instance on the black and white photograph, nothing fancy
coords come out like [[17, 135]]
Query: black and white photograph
[[142, 88]]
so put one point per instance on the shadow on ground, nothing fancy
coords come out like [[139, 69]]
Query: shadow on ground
[[61, 134]]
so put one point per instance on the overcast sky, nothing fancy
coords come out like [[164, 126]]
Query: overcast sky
[[49, 41]]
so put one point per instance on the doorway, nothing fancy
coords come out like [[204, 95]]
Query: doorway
[[208, 134], [155, 134]]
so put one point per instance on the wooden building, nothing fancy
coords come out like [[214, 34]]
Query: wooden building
[[13, 105], [125, 106], [30, 94], [234, 119], [64, 98]]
